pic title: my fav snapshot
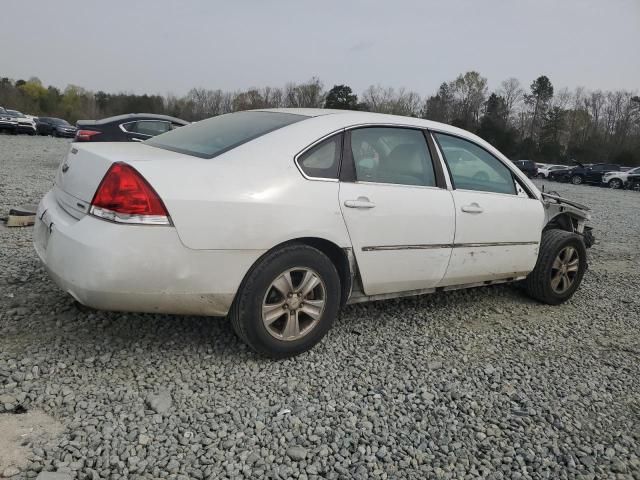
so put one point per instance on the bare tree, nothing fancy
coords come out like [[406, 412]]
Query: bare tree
[[513, 94]]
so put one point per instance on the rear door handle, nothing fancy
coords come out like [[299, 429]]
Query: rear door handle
[[361, 202], [472, 208]]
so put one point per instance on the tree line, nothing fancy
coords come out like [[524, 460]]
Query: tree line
[[538, 122]]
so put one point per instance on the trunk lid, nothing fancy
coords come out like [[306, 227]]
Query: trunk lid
[[86, 164]]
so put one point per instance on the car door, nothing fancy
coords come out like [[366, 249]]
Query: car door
[[593, 174], [397, 210], [498, 225]]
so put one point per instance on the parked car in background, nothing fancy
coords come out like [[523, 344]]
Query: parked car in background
[[8, 121], [543, 172], [277, 218], [558, 175], [26, 124], [529, 167], [591, 173], [135, 127], [633, 182], [56, 127], [619, 179]]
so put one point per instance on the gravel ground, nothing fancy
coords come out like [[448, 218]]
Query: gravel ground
[[468, 384]]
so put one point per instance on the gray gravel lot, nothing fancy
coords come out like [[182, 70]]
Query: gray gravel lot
[[479, 383]]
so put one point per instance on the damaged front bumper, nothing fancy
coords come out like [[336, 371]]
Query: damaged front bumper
[[568, 215]]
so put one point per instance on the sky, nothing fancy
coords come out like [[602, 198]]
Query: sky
[[170, 46]]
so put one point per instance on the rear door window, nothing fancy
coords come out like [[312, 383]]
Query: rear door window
[[392, 155], [147, 127]]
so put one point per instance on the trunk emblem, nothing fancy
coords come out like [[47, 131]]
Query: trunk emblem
[[65, 167]]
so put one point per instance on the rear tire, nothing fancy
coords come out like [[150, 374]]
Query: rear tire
[[259, 301], [615, 183], [561, 264], [577, 180]]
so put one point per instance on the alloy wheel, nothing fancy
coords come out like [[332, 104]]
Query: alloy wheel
[[564, 269], [615, 183], [294, 304], [576, 179]]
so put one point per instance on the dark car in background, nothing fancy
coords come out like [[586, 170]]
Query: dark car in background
[[8, 121], [134, 127], [558, 175], [529, 167], [586, 173], [633, 182], [56, 127]]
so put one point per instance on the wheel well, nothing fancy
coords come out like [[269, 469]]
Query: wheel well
[[561, 222], [338, 257]]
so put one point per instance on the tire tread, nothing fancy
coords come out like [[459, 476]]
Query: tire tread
[[237, 311], [536, 282]]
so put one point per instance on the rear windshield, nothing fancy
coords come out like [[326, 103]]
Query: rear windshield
[[214, 136]]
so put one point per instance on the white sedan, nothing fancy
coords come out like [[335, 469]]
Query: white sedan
[[277, 218], [618, 179]]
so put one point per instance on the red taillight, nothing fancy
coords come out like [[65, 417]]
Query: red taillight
[[125, 196], [86, 135]]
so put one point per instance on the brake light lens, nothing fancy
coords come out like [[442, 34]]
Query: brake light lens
[[124, 196], [86, 135]]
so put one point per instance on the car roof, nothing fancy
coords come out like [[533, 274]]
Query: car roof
[[356, 117], [132, 117]]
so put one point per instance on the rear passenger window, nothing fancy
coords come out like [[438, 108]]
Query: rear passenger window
[[151, 127], [473, 168], [392, 155], [323, 159]]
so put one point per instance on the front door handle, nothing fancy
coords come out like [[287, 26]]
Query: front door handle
[[361, 202], [472, 208]]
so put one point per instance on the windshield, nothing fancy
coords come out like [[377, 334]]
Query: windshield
[[214, 136]]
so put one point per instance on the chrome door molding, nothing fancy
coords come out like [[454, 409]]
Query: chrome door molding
[[378, 248]]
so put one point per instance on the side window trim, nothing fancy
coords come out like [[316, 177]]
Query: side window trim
[[313, 145], [348, 169], [514, 176], [441, 181], [123, 127]]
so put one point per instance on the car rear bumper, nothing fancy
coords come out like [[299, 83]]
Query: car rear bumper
[[67, 134], [135, 268]]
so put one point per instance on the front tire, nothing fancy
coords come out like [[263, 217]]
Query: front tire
[[562, 262], [287, 302], [540, 175], [577, 180]]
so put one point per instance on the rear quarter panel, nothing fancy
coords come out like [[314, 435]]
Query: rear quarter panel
[[252, 197]]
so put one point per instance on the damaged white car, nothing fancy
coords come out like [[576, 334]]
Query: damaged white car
[[277, 218]]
